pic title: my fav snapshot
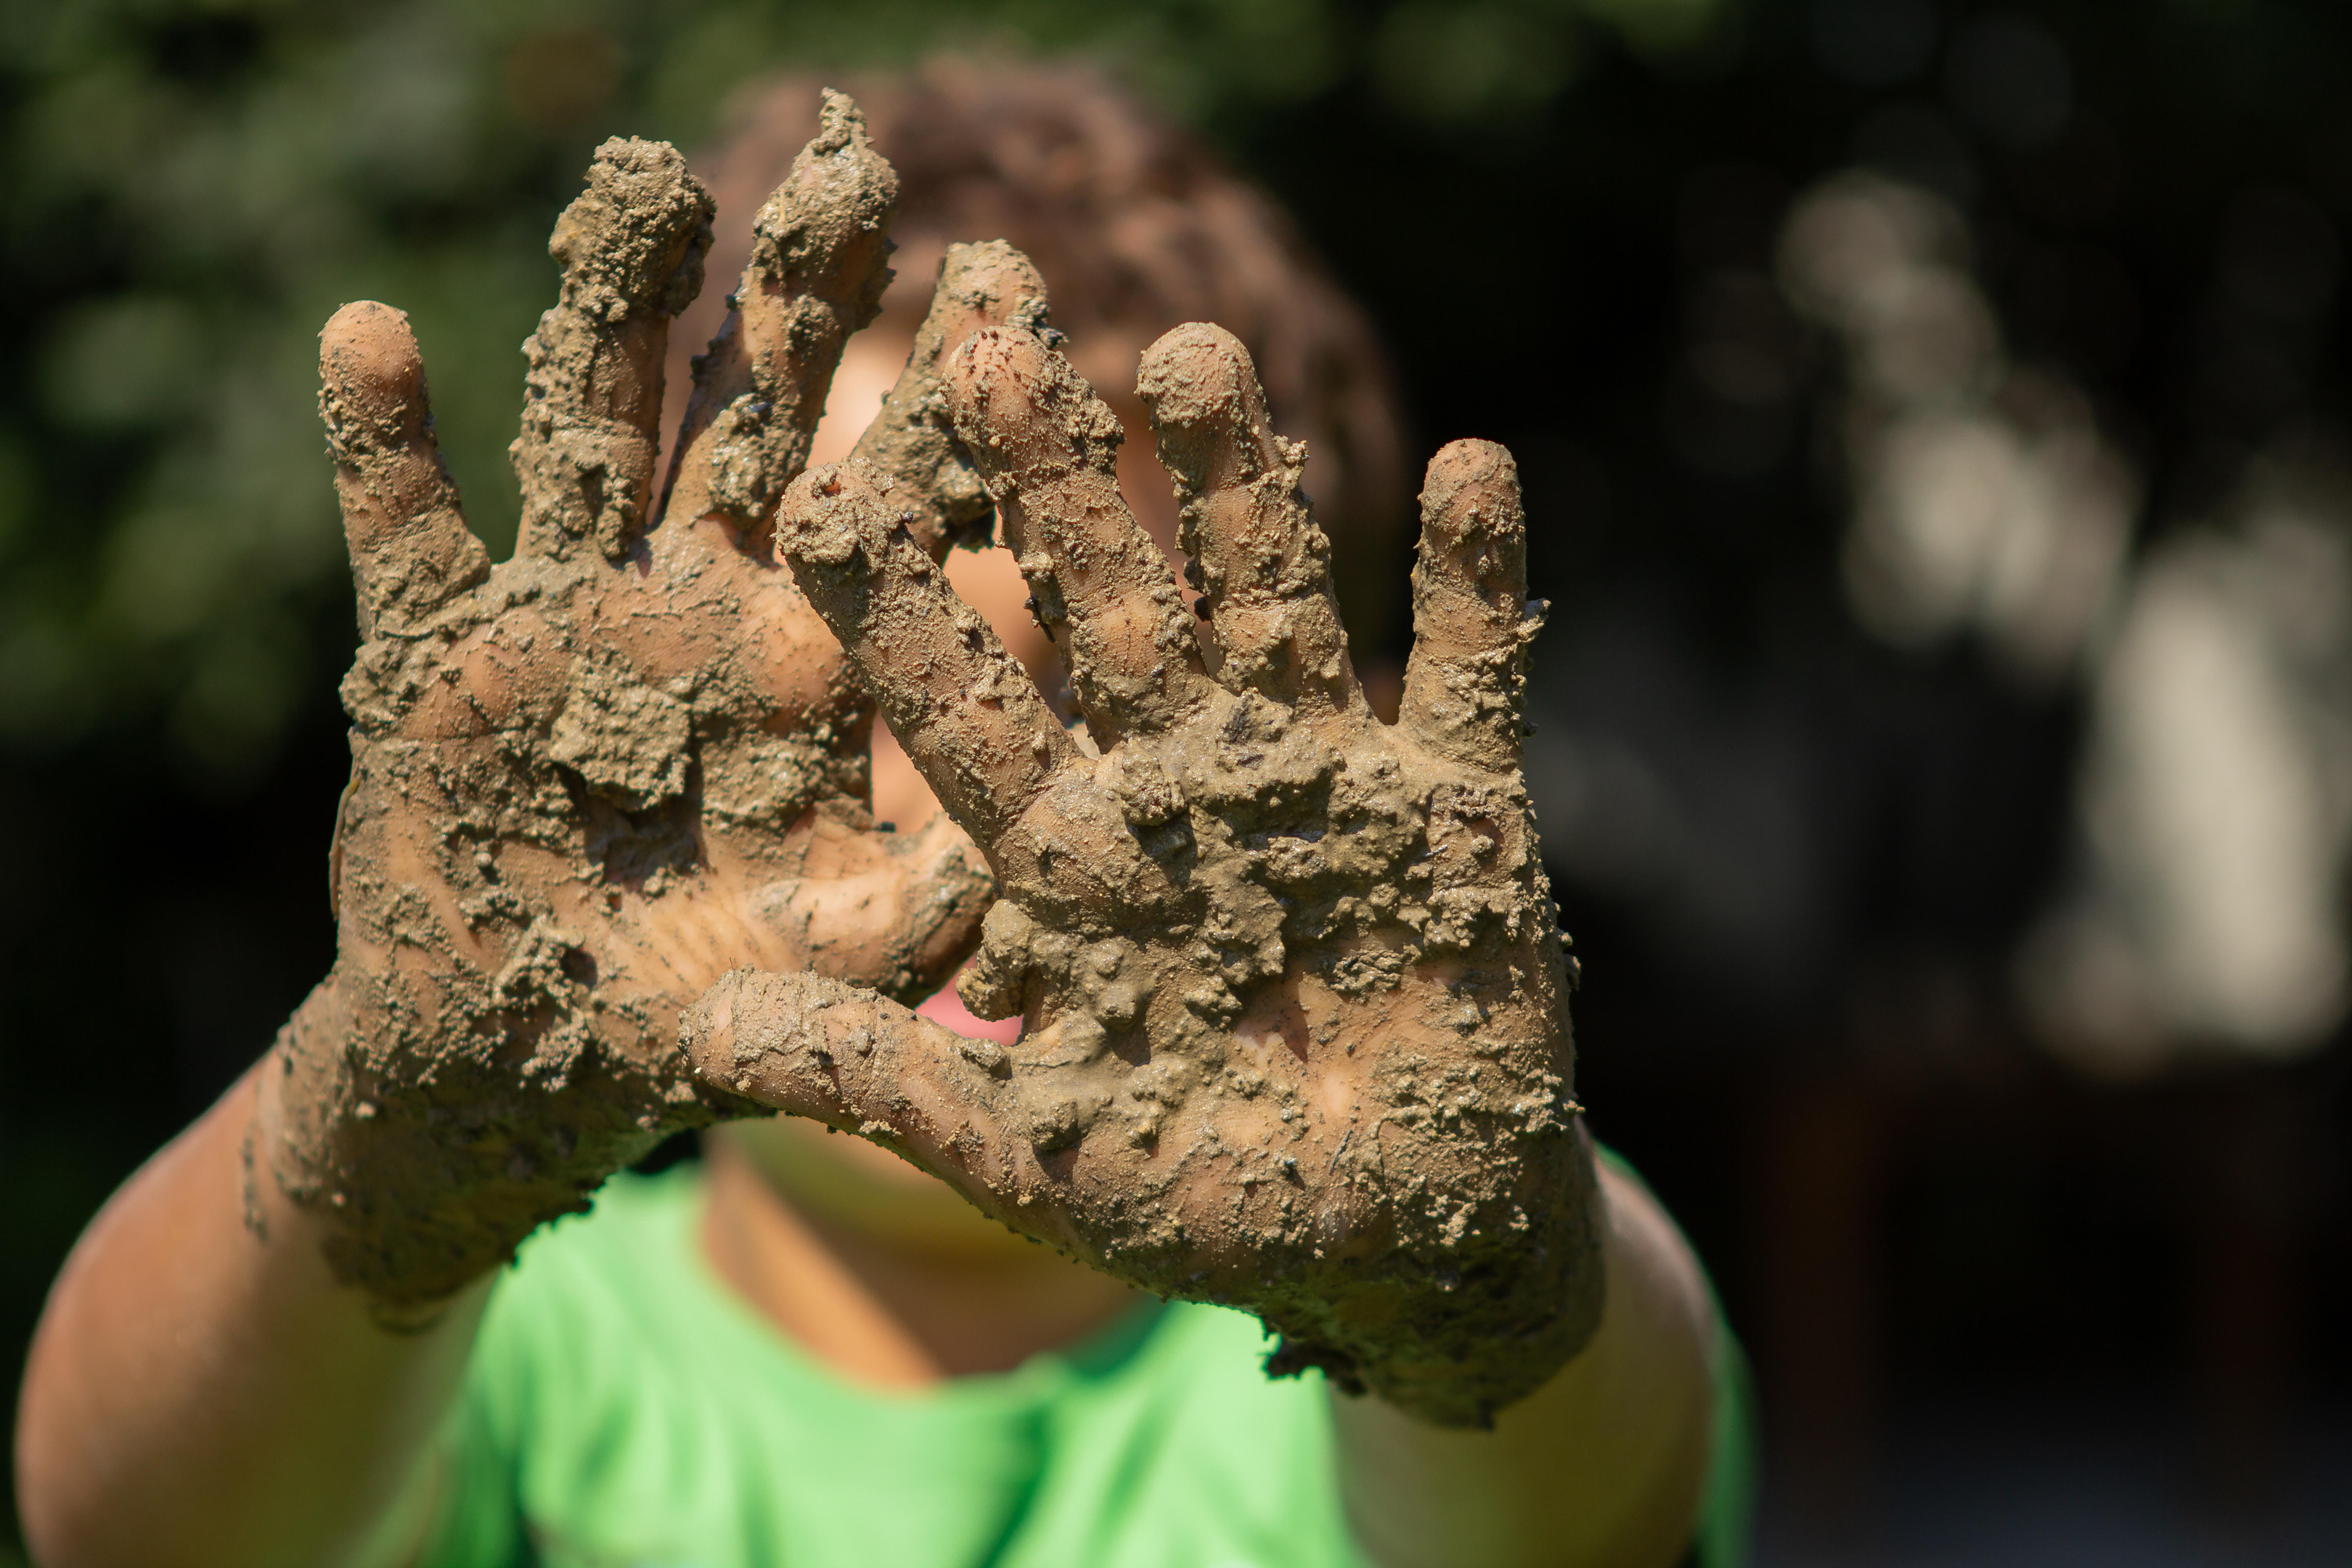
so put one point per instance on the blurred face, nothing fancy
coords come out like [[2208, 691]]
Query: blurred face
[[848, 1181]]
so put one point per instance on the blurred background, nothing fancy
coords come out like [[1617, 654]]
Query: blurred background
[[1934, 425]]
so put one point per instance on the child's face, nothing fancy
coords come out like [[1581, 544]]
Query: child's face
[[846, 1184]]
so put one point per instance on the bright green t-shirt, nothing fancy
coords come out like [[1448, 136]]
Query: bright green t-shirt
[[623, 1409]]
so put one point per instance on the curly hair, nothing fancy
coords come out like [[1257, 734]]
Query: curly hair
[[1137, 228]]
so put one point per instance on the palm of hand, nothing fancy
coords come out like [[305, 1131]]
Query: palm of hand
[[591, 780], [1295, 1037]]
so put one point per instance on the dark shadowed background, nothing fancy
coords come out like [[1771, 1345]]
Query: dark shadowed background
[[1932, 418]]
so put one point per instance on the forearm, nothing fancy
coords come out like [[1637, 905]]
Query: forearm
[[1602, 1466], [200, 1390]]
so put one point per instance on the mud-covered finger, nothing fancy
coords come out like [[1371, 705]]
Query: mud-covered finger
[[819, 252], [814, 1047], [987, 284], [966, 712], [631, 246], [1263, 566], [1047, 447], [896, 911], [1472, 619], [411, 549]]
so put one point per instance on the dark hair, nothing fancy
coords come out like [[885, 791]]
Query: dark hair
[[1137, 228]]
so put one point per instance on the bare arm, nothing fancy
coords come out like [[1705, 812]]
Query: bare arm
[[202, 1391], [1600, 1467]]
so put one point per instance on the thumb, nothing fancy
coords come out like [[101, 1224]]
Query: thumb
[[859, 1063], [898, 911]]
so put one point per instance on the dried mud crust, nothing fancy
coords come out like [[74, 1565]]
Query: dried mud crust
[[1297, 1036], [590, 780]]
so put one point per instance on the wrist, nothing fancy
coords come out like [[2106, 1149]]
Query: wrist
[[1503, 1334], [431, 1122], [294, 1098], [405, 1206], [285, 1200]]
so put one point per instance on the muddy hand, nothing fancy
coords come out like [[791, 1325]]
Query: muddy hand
[[591, 780], [1295, 1032]]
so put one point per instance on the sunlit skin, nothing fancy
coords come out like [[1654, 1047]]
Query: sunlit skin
[[200, 1355]]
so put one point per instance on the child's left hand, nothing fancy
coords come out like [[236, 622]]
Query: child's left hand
[[1297, 1027]]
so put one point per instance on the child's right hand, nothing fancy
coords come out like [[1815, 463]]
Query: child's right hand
[[589, 781]]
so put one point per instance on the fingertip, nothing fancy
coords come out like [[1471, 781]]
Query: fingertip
[[998, 366], [1018, 405], [1195, 374], [635, 236], [369, 362], [1473, 533], [369, 333], [1472, 486], [1465, 683], [951, 888], [986, 356], [993, 276]]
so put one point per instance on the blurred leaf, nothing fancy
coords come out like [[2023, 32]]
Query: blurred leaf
[[47, 690], [1659, 26], [17, 481], [130, 360], [1455, 65], [241, 690]]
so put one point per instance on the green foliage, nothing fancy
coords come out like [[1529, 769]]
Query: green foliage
[[194, 187]]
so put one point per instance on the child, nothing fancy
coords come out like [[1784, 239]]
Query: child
[[609, 777]]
